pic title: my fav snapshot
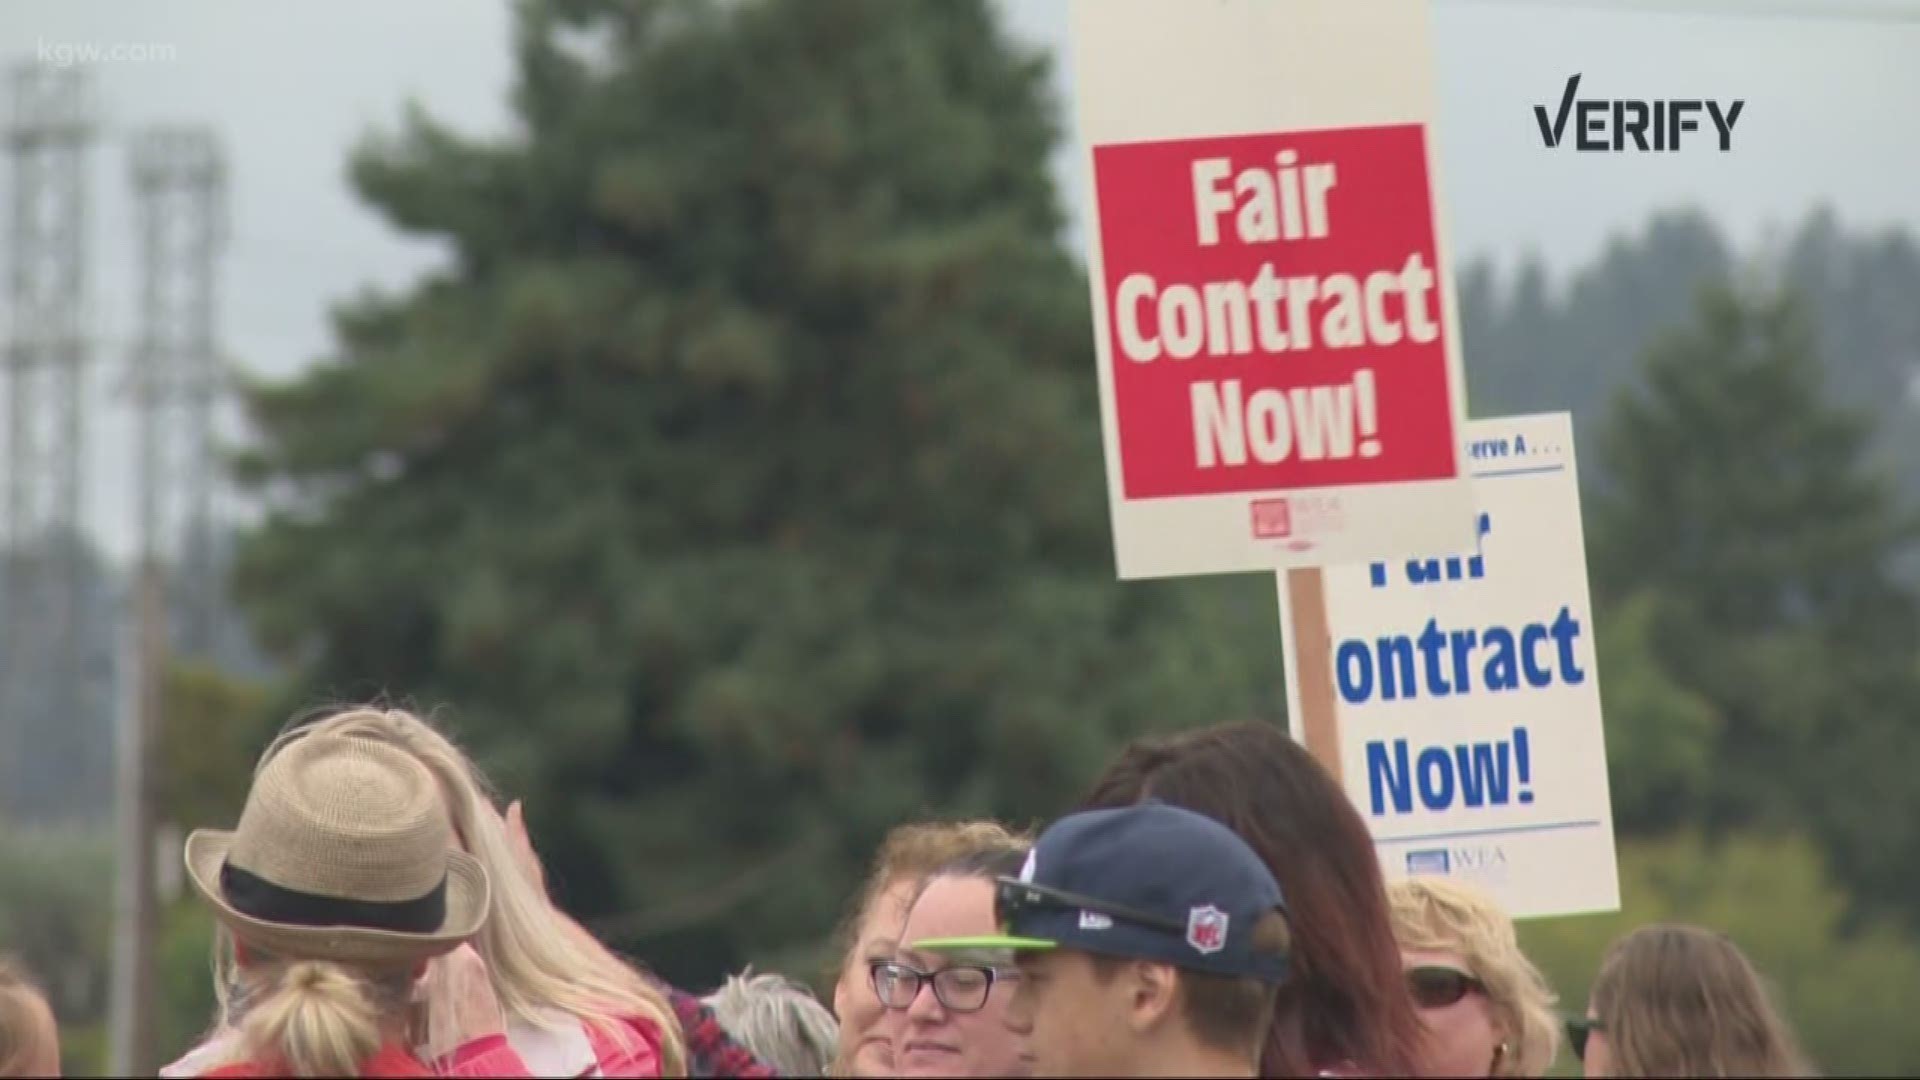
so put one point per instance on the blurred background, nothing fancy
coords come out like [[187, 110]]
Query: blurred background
[[691, 403]]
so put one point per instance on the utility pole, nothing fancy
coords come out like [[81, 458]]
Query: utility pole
[[179, 183], [48, 135]]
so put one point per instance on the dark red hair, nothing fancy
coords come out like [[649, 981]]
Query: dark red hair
[[1346, 1003]]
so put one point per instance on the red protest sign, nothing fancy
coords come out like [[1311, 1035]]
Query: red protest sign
[[1279, 365], [1274, 310]]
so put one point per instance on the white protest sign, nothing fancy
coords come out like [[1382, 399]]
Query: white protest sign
[[1278, 354], [1465, 692]]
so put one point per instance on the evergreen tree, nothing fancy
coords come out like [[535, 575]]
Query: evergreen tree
[[1744, 513], [738, 485]]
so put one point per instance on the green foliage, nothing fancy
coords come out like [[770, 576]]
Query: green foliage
[[56, 894], [211, 737], [1661, 735], [1846, 992], [739, 487], [184, 962], [83, 1049], [1733, 437], [55, 900], [1534, 344], [1861, 288], [1768, 642]]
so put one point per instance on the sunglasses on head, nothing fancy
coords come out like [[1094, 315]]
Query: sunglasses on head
[[1011, 898], [1578, 1028], [1435, 987]]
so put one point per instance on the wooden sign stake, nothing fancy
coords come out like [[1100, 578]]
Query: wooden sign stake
[[1318, 721]]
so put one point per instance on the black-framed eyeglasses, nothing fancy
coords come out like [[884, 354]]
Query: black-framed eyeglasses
[[962, 988], [1435, 986], [1578, 1028], [1012, 897]]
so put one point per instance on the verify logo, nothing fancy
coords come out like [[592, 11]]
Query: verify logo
[[1606, 124]]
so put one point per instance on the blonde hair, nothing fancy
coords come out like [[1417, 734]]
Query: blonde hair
[[540, 962], [1443, 915], [23, 1038], [315, 1017], [1684, 1001]]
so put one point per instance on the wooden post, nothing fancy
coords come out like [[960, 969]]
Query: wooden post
[[1319, 722]]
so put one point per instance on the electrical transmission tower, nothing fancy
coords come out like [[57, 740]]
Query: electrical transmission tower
[[179, 182], [179, 185], [48, 136]]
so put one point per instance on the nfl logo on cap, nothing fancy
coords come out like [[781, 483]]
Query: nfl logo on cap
[[1207, 929]]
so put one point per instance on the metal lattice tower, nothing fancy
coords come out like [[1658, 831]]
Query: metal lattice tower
[[179, 182], [179, 186], [49, 133]]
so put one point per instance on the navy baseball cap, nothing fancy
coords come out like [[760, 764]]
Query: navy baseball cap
[[1144, 882]]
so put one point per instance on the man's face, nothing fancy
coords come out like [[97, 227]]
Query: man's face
[[1081, 1025]]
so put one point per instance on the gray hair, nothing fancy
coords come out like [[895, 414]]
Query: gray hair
[[779, 1020]]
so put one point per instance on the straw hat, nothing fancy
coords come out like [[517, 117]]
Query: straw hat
[[344, 852]]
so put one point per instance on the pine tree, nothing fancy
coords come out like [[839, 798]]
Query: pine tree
[[1743, 514], [738, 485]]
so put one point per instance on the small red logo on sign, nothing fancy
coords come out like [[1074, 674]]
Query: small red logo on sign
[[1272, 519], [1207, 929]]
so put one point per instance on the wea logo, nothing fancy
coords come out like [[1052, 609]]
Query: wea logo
[[1486, 863]]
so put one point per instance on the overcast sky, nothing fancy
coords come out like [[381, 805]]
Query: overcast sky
[[289, 86]]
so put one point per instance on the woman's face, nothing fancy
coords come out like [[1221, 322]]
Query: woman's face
[[956, 1023], [866, 1047], [1462, 1031]]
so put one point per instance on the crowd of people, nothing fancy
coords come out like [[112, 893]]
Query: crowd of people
[[1213, 907]]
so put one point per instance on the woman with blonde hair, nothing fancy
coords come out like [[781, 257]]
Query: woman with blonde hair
[[1485, 1007], [29, 1036], [868, 937], [337, 887], [1682, 1001], [573, 1008]]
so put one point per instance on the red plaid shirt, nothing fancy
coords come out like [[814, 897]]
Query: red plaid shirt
[[710, 1050]]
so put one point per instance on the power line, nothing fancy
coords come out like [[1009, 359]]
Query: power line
[[1822, 11]]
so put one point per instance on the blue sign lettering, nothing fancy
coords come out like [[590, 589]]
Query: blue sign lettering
[[1442, 661], [1425, 571], [1477, 774]]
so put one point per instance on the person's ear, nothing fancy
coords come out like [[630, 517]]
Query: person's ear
[[1153, 992]]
